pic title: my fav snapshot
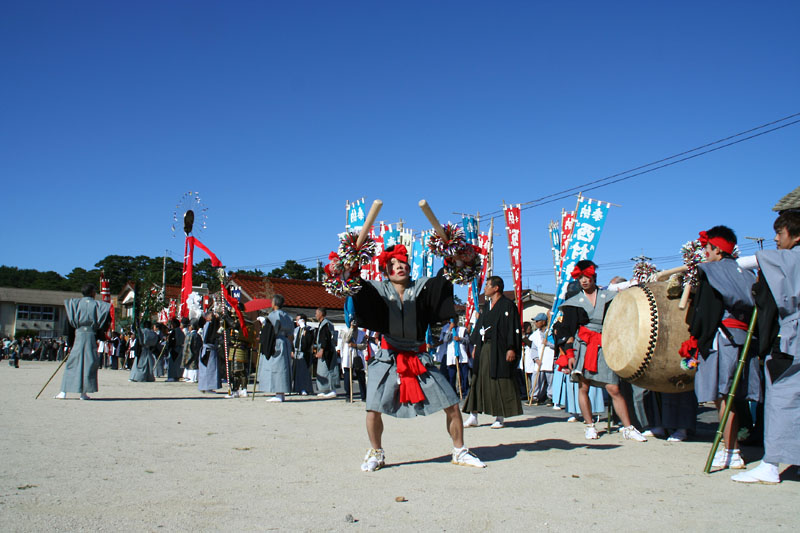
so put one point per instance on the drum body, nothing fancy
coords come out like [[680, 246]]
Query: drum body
[[642, 333]]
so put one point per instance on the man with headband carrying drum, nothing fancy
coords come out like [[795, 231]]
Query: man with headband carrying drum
[[582, 321], [723, 305]]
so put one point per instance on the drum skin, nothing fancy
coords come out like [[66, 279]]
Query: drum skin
[[642, 333]]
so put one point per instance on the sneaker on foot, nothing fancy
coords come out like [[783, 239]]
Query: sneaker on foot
[[721, 459], [572, 419], [85, 397], [331, 394], [276, 399], [679, 435], [374, 460], [60, 396], [464, 457], [631, 433], [471, 422], [498, 423], [303, 393], [736, 461], [591, 432], [766, 473]]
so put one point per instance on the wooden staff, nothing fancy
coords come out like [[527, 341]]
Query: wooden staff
[[369, 221], [687, 290], [535, 381], [664, 274], [458, 378], [437, 227], [54, 373], [737, 376]]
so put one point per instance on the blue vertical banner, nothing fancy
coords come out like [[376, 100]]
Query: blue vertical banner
[[390, 237], [470, 224], [590, 219], [416, 260], [427, 256], [555, 242], [355, 215]]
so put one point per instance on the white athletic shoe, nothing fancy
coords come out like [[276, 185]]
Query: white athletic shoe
[[572, 419], [728, 459], [679, 435], [736, 461], [85, 397], [631, 433], [590, 432], [331, 394], [498, 423], [60, 396], [275, 399], [464, 457], [471, 422], [242, 393], [766, 473], [374, 460]]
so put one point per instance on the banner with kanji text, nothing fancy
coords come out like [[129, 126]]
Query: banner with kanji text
[[515, 248]]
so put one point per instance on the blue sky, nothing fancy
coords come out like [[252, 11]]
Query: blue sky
[[280, 112]]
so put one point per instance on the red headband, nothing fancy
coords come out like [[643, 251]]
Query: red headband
[[724, 245], [588, 271], [399, 252]]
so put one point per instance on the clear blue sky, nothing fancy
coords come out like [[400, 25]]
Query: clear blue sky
[[279, 112]]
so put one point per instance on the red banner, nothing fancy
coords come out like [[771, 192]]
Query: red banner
[[105, 295], [188, 264], [483, 244], [515, 248], [567, 223]]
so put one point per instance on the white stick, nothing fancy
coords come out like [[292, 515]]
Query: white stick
[[369, 221]]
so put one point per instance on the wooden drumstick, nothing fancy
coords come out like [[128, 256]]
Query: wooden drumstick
[[685, 296], [437, 227], [664, 274], [368, 222]]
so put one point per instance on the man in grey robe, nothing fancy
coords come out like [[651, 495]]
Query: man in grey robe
[[779, 302], [208, 374], [87, 319], [274, 368], [325, 348], [145, 362], [301, 356]]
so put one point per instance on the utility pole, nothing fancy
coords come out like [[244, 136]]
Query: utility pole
[[319, 267], [759, 240]]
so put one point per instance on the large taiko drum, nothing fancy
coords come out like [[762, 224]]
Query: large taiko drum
[[642, 333]]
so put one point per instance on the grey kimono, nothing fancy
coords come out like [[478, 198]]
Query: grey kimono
[[273, 369], [144, 365], [596, 313], [87, 317]]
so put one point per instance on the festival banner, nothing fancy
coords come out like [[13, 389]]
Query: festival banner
[[105, 295], [477, 282], [390, 237], [427, 256], [416, 260], [567, 223], [355, 215], [590, 219], [515, 248], [555, 243]]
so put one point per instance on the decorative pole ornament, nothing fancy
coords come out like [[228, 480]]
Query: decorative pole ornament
[[188, 222]]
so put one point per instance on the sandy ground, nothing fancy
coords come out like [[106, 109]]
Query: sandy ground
[[163, 457]]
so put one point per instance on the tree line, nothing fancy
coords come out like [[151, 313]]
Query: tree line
[[120, 269]]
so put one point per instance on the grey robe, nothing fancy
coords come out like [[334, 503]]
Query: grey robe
[[781, 269], [145, 362], [327, 373], [715, 372], [604, 375], [87, 316], [208, 377], [273, 371]]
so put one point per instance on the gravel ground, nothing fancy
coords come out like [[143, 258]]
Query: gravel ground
[[164, 457]]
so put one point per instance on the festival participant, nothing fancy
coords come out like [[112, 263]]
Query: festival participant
[[354, 343], [402, 379], [583, 316], [777, 295], [87, 319], [208, 378], [301, 356], [175, 340], [723, 305], [541, 390], [325, 352], [145, 362], [237, 337], [498, 346], [191, 350], [456, 342], [274, 368]]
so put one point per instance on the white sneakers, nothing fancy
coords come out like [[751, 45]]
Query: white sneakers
[[464, 457], [631, 433], [590, 432], [728, 459], [374, 460], [471, 421], [766, 473], [331, 394], [498, 423], [679, 435], [278, 398], [657, 432], [60, 396], [241, 393], [85, 397]]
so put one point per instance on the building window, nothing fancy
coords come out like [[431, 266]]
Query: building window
[[36, 312]]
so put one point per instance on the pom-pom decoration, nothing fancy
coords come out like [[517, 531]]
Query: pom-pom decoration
[[689, 364], [692, 254], [349, 260], [462, 262], [643, 271]]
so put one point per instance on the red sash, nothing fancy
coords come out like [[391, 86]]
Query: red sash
[[594, 341], [408, 368], [734, 324]]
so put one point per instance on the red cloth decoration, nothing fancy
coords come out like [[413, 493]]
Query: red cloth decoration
[[588, 271], [719, 242], [233, 303], [688, 348], [732, 323], [563, 359], [399, 252], [408, 368], [594, 341], [216, 263]]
